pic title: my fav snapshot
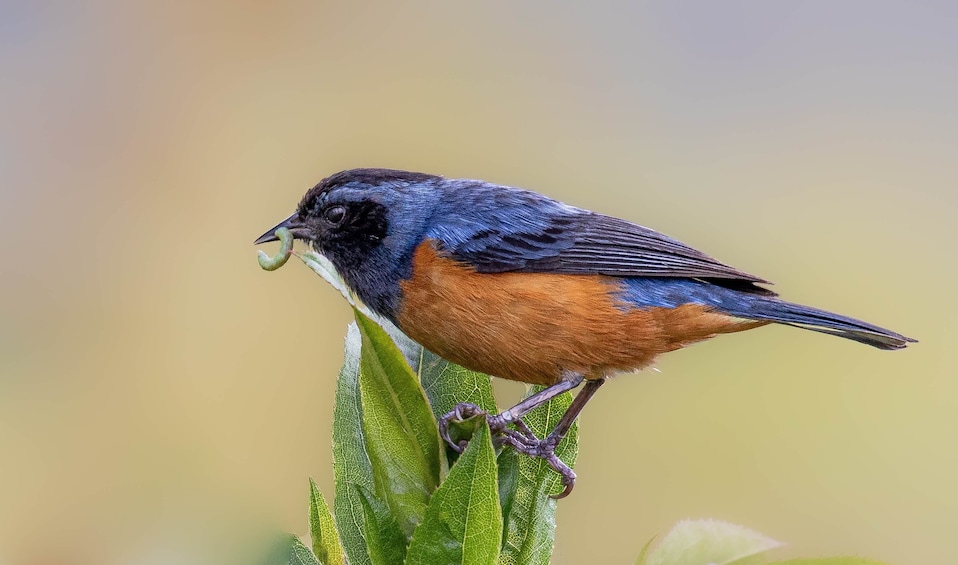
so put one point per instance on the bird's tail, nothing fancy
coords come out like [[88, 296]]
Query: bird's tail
[[774, 310]]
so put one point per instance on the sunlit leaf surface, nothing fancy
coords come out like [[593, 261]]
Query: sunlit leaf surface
[[463, 523]]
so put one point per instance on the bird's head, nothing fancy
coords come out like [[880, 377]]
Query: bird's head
[[367, 222]]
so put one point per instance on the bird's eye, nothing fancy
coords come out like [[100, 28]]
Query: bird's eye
[[334, 214]]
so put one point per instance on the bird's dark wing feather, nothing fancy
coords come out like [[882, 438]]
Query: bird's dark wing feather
[[611, 246], [555, 238]]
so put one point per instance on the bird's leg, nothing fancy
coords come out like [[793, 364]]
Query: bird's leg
[[498, 423], [546, 448], [522, 439]]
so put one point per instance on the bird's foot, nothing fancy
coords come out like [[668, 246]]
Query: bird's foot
[[522, 439], [498, 425], [525, 442], [462, 412]]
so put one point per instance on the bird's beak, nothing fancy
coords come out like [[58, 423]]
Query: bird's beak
[[291, 223]]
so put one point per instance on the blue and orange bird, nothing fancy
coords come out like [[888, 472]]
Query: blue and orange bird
[[519, 286]]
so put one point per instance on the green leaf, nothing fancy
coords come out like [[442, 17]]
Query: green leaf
[[402, 438], [643, 557], [525, 484], [463, 523], [325, 269], [709, 542], [389, 545], [829, 561], [297, 553], [447, 384], [322, 529], [301, 555], [287, 550], [350, 461]]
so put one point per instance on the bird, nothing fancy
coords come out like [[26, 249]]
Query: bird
[[520, 286]]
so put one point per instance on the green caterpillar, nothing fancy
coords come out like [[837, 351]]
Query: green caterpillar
[[285, 250]]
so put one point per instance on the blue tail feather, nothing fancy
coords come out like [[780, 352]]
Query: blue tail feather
[[774, 310], [672, 292]]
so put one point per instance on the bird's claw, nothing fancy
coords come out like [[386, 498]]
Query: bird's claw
[[522, 439], [462, 412], [527, 443], [566, 472]]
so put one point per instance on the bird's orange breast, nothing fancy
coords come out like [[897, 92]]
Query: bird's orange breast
[[532, 327]]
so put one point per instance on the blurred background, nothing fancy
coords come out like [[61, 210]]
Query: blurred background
[[163, 400]]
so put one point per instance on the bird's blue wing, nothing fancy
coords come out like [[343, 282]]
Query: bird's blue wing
[[498, 229]]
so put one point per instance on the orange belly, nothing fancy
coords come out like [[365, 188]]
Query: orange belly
[[532, 327]]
